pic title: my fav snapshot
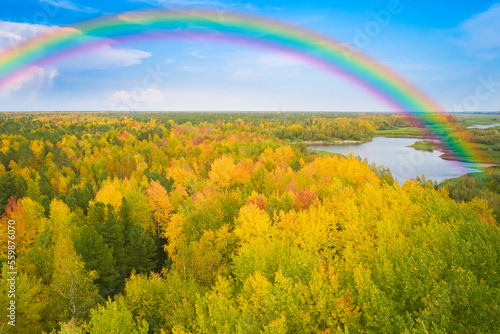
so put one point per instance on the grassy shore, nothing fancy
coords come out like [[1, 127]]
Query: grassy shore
[[408, 132], [425, 145], [478, 119], [331, 141], [323, 153]]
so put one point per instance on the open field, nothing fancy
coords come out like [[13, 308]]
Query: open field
[[405, 132], [478, 119], [324, 153]]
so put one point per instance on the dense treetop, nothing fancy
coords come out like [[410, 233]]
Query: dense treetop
[[224, 223]]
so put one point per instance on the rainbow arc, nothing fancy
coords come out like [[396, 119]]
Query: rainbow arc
[[313, 48]]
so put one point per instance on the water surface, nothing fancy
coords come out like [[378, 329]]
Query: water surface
[[483, 126], [404, 162]]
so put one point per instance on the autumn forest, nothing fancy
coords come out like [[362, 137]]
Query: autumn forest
[[228, 223]]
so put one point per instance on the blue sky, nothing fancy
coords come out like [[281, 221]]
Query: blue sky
[[448, 49]]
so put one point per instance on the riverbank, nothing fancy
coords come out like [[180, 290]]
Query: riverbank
[[328, 142], [429, 145], [450, 157], [404, 161], [467, 120], [408, 132]]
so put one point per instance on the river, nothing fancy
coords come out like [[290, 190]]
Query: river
[[404, 162], [483, 126]]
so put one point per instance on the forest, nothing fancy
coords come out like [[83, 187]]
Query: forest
[[227, 223]]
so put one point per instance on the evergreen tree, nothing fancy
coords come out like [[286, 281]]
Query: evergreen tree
[[45, 187], [125, 221], [96, 215], [141, 251], [104, 220], [10, 186], [112, 234], [80, 198], [33, 191], [46, 191], [97, 256]]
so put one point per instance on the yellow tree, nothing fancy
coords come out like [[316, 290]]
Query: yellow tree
[[37, 149], [60, 217], [221, 173], [115, 318], [26, 215], [30, 301], [72, 286], [110, 194], [212, 254], [2, 169], [176, 246], [160, 206]]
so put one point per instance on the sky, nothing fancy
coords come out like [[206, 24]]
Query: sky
[[450, 50]]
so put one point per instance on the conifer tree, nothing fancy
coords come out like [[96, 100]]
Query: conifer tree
[[112, 234], [141, 251], [33, 191], [97, 256]]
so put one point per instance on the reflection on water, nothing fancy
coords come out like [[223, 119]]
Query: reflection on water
[[404, 162]]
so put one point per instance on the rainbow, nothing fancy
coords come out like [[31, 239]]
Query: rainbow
[[309, 46]]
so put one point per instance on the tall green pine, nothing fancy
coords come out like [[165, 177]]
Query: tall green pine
[[97, 256], [141, 251], [125, 221], [10, 185], [33, 191], [140, 248], [102, 218]]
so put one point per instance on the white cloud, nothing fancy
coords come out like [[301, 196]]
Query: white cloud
[[70, 6], [14, 33], [480, 34], [106, 57], [37, 79], [137, 99]]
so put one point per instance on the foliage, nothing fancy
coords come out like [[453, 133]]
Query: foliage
[[225, 223]]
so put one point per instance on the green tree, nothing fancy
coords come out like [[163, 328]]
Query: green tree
[[98, 257], [30, 301], [33, 191], [80, 198], [115, 318], [163, 301], [140, 251], [39, 261], [72, 286], [104, 220], [10, 186]]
